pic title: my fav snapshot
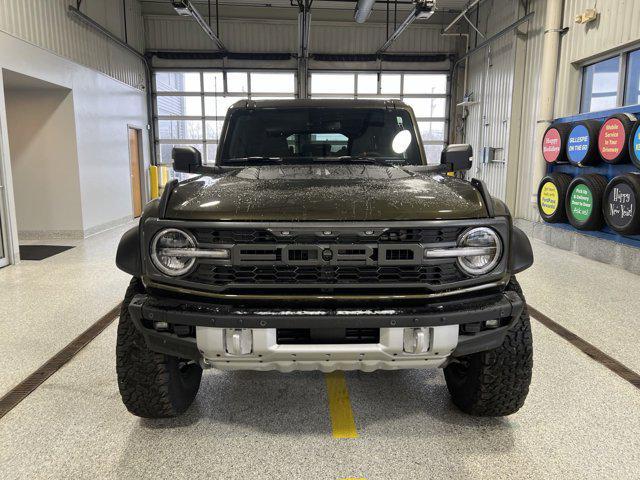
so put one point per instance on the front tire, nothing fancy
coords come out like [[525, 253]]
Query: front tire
[[152, 385], [496, 382]]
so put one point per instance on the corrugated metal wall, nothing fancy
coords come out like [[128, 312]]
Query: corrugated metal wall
[[45, 23], [528, 142], [491, 73], [176, 33], [617, 27]]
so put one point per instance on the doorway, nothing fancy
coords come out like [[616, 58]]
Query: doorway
[[135, 135], [4, 257]]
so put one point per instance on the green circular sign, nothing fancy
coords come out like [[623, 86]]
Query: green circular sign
[[581, 203]]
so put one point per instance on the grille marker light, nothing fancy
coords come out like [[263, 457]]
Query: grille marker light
[[219, 253]]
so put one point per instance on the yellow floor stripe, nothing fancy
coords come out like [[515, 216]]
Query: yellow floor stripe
[[339, 406]]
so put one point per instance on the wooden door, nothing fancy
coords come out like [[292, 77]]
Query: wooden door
[[134, 164]]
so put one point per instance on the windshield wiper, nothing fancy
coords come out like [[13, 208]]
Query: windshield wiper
[[385, 161], [248, 160]]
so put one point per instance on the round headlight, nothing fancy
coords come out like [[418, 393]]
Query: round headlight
[[167, 261], [486, 248]]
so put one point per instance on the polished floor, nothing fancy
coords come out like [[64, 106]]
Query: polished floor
[[580, 420]]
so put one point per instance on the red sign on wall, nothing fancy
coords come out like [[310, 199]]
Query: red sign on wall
[[551, 145], [611, 140]]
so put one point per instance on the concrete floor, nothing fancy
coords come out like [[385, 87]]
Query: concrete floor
[[580, 420], [47, 303]]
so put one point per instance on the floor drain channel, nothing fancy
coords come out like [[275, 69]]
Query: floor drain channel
[[592, 351], [55, 363]]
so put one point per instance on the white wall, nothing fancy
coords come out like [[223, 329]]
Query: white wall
[[44, 160], [46, 23], [103, 107], [491, 79]]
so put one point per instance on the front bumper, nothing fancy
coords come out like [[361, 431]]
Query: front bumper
[[453, 327]]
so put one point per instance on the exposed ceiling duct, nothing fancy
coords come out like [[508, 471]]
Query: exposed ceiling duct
[[363, 10], [186, 9], [423, 9]]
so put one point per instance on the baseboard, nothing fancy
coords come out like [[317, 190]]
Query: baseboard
[[71, 234], [107, 226], [601, 250], [50, 235]]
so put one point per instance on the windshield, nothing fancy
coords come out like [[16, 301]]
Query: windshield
[[315, 134]]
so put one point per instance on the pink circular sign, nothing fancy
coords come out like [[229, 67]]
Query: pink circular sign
[[551, 145], [611, 139]]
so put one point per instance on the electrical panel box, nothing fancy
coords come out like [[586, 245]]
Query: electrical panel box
[[488, 155]]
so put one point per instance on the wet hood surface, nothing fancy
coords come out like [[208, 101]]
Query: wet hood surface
[[324, 193]]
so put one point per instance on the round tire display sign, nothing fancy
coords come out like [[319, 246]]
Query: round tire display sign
[[636, 145], [621, 205], [581, 203], [578, 144], [611, 139], [551, 145], [549, 198]]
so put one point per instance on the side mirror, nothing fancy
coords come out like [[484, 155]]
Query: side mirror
[[457, 157], [186, 159]]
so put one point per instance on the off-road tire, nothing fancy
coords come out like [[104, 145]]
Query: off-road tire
[[152, 385], [495, 383]]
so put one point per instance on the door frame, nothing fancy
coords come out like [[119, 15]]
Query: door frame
[[144, 195], [8, 224]]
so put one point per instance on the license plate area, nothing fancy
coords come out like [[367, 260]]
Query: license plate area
[[325, 336]]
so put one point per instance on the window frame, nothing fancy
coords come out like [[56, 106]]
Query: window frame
[[203, 117], [623, 63], [400, 96]]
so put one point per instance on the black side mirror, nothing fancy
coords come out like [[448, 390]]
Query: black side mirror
[[186, 159], [457, 157]]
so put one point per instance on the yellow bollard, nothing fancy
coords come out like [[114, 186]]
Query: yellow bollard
[[153, 179]]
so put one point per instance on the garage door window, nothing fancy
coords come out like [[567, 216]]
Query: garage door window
[[426, 93], [190, 106]]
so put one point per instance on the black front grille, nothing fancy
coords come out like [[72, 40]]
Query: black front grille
[[219, 275], [323, 336], [263, 236]]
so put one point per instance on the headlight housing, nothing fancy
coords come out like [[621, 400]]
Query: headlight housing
[[163, 252], [485, 248]]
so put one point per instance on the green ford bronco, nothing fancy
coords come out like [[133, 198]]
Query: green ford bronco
[[321, 240]]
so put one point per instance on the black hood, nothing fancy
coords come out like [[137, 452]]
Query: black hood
[[324, 193]]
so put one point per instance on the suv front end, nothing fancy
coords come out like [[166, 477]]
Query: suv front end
[[280, 286]]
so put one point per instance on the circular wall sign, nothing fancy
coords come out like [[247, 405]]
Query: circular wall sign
[[578, 144], [621, 206], [549, 198], [611, 139], [635, 146], [581, 203], [551, 145]]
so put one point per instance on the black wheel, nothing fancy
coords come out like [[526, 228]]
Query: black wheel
[[495, 383], [152, 385], [620, 204], [551, 196], [584, 201]]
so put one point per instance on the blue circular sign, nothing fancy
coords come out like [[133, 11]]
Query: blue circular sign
[[578, 144], [636, 144]]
